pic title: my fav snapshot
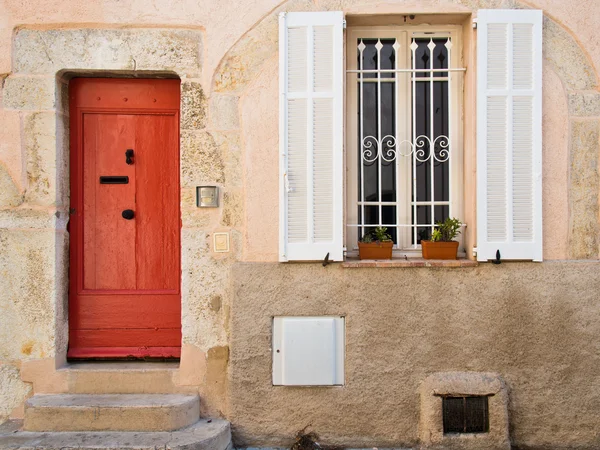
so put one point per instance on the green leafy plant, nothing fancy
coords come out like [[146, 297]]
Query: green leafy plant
[[447, 230], [379, 234]]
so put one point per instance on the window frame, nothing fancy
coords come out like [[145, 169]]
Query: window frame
[[351, 166]]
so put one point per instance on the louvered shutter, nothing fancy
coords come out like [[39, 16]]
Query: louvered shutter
[[509, 134], [311, 136]]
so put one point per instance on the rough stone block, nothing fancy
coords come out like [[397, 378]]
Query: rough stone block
[[29, 285], [585, 181], [29, 93], [229, 143], [193, 106], [233, 209], [44, 168], [201, 159], [9, 193], [567, 58], [10, 145], [49, 51], [12, 390], [201, 325], [224, 112], [584, 104]]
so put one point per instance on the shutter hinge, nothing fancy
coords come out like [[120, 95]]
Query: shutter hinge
[[344, 24], [475, 23]]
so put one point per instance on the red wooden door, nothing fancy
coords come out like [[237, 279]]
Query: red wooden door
[[124, 294]]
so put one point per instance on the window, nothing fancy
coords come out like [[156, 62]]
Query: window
[[465, 414], [404, 93], [403, 137]]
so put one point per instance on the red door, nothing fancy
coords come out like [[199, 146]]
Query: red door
[[124, 294]]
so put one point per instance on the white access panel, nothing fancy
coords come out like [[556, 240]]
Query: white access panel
[[308, 351]]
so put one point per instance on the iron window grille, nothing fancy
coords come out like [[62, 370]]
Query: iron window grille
[[467, 414], [404, 138]]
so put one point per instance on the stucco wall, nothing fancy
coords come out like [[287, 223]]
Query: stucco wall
[[536, 325], [226, 55]]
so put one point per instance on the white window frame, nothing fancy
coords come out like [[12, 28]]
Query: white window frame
[[404, 34]]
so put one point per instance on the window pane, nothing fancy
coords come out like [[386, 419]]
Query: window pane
[[388, 216], [388, 156], [369, 60], [372, 215], [441, 142], [441, 213], [421, 140], [422, 57], [388, 57], [440, 56], [368, 152], [423, 217]]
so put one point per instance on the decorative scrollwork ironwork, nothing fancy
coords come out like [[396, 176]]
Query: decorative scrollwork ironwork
[[421, 148]]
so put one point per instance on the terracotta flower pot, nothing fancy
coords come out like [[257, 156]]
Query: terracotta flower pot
[[375, 250], [439, 250]]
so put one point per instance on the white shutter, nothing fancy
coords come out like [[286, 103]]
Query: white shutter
[[311, 136], [509, 134]]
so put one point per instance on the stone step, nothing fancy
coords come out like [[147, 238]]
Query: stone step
[[122, 378], [110, 412], [203, 435]]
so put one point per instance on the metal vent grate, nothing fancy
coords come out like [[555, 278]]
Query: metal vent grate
[[465, 414]]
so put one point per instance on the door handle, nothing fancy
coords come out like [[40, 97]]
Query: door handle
[[128, 214], [129, 156]]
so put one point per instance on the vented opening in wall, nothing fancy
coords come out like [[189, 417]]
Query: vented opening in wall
[[465, 414]]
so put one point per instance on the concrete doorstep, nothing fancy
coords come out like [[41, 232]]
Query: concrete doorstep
[[206, 434]]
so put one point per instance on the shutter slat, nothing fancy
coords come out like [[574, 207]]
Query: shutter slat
[[509, 192], [311, 81]]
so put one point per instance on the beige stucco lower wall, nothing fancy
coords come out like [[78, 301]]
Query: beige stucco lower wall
[[536, 325]]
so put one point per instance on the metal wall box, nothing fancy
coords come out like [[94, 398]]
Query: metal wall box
[[308, 351], [207, 196]]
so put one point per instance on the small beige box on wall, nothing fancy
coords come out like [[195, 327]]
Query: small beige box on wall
[[221, 242]]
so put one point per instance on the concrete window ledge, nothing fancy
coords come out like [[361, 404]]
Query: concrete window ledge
[[431, 429], [410, 262]]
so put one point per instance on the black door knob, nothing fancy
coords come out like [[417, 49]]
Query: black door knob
[[128, 214]]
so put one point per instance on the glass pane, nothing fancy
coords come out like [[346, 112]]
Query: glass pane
[[422, 57], [388, 217], [441, 142], [368, 151], [440, 56], [423, 217], [388, 125], [442, 212], [372, 215], [369, 60], [388, 57], [421, 140]]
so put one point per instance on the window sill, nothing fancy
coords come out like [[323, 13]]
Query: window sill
[[353, 263]]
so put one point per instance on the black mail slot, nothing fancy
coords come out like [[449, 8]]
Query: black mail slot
[[114, 180]]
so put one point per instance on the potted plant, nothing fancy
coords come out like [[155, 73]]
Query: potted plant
[[376, 244], [442, 245]]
